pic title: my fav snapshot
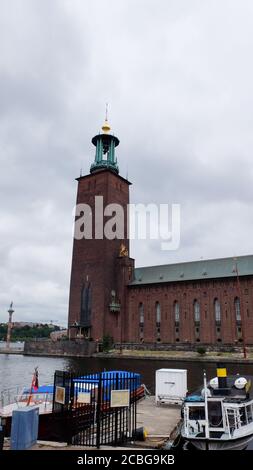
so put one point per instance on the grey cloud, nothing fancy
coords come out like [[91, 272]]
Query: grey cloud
[[178, 78]]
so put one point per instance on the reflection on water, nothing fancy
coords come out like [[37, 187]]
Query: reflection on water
[[17, 370]]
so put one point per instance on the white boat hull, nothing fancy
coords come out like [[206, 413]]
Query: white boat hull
[[213, 444]]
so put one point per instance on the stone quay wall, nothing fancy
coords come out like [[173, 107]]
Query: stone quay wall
[[179, 347], [71, 348]]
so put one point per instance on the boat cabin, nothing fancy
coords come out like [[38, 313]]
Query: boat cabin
[[219, 413]]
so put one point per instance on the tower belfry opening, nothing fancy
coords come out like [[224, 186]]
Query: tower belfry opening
[[105, 144]]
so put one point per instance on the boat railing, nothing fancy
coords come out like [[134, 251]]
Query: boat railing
[[239, 415], [7, 396], [19, 395], [45, 399]]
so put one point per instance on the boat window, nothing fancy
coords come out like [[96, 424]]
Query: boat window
[[249, 413], [196, 412], [243, 415], [233, 418], [215, 414]]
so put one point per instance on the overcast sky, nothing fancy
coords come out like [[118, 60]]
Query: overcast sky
[[178, 77]]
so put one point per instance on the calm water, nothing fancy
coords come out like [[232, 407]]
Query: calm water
[[18, 370]]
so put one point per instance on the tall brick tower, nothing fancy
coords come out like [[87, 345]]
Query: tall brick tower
[[101, 267]]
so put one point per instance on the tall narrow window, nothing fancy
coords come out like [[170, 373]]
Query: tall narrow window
[[158, 313], [85, 317], [217, 311], [141, 313], [237, 309], [141, 321], [158, 321], [196, 308], [176, 312]]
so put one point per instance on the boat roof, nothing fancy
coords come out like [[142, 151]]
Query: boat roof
[[111, 374], [41, 389], [230, 393], [90, 378]]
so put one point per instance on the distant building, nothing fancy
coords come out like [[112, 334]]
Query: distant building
[[21, 324], [56, 335], [185, 303]]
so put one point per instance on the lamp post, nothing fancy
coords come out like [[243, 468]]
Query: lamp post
[[241, 306], [10, 312]]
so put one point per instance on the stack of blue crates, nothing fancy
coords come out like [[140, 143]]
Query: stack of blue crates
[[24, 427]]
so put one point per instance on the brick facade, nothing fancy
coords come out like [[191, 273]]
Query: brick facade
[[97, 263], [207, 330], [94, 261]]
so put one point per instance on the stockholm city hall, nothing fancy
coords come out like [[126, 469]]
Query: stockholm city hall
[[201, 302]]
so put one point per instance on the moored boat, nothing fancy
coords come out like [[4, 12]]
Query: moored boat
[[220, 415], [43, 397]]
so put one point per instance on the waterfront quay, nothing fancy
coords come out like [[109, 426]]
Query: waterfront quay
[[158, 421], [11, 351], [11, 347]]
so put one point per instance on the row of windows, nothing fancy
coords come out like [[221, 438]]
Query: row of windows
[[196, 311]]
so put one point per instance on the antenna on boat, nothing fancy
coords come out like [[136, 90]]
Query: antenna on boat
[[206, 411]]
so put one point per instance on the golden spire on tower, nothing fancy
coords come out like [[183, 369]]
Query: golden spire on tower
[[106, 126]]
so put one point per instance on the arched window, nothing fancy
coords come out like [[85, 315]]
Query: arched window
[[141, 313], [158, 313], [196, 309], [85, 317], [237, 309], [176, 312], [217, 311]]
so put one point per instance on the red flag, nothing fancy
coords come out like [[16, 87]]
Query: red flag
[[34, 385], [35, 382]]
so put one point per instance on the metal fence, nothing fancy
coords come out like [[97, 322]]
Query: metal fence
[[97, 408]]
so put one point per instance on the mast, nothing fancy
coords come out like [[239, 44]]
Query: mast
[[206, 408]]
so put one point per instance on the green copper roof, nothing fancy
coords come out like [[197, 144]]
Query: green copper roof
[[105, 152], [194, 270]]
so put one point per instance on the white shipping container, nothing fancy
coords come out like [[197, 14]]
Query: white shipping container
[[170, 385]]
